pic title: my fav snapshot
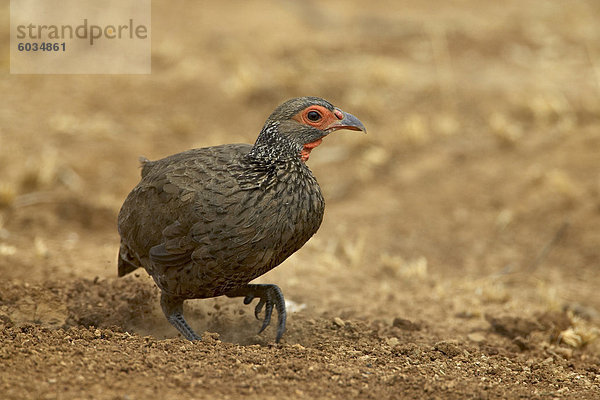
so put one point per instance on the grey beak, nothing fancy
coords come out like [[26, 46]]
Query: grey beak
[[348, 121]]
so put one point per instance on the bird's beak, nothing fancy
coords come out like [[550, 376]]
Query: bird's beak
[[345, 121]]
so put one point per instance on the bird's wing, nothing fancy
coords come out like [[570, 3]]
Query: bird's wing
[[176, 248], [180, 198]]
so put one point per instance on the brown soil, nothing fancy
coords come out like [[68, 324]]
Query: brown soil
[[460, 253]]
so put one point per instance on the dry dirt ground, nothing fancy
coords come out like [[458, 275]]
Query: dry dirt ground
[[460, 253]]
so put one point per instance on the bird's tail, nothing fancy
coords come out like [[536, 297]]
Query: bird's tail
[[125, 264]]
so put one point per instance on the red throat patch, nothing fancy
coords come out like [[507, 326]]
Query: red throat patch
[[305, 153]]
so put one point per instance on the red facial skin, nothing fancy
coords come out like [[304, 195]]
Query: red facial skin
[[324, 123], [305, 153]]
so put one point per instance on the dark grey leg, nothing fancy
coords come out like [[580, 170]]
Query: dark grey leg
[[270, 296], [173, 309]]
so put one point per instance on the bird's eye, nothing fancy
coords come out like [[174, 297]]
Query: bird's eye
[[313, 116]]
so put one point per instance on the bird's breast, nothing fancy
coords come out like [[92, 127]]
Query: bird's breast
[[281, 217]]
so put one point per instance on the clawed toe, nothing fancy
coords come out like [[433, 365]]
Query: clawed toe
[[248, 299], [259, 307], [268, 313], [270, 297]]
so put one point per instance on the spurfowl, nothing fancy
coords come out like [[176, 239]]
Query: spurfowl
[[205, 222]]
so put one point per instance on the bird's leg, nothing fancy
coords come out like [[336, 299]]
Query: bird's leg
[[173, 309], [270, 296]]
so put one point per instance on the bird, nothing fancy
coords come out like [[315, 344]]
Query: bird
[[206, 222]]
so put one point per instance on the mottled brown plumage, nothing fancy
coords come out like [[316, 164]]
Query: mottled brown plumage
[[205, 222]]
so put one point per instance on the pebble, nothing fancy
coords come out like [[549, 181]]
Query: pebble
[[565, 352], [405, 324], [449, 348], [547, 361], [476, 337]]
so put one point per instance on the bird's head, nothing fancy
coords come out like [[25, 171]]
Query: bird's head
[[299, 125]]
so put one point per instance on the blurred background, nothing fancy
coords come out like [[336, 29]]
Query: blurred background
[[475, 192]]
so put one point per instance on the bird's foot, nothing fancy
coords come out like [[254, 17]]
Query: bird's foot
[[173, 309], [270, 297], [178, 322]]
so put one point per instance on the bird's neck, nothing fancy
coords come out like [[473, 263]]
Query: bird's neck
[[262, 170], [271, 147]]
